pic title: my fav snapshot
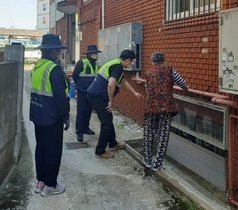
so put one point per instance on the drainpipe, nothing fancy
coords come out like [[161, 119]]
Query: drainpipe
[[216, 98], [203, 93], [69, 38], [230, 191], [229, 4], [103, 14]]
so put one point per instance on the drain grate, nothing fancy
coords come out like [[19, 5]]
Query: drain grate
[[77, 145]]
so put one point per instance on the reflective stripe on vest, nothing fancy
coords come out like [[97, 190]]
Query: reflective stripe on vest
[[40, 78], [86, 63], [104, 71]]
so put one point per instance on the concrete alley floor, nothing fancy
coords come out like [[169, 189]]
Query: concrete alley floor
[[121, 183], [91, 184]]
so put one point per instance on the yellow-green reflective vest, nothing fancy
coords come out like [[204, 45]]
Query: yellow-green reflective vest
[[87, 63], [104, 70], [42, 108], [40, 78]]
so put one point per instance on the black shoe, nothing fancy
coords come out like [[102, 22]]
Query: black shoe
[[89, 132], [80, 137]]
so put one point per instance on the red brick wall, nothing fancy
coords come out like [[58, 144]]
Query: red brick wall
[[181, 41]]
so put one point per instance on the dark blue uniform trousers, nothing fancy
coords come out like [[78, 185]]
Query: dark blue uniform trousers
[[107, 133], [84, 111], [48, 153]]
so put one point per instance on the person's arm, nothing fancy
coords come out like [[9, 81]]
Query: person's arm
[[110, 91], [179, 80], [138, 79], [129, 88], [61, 100], [115, 72], [77, 69]]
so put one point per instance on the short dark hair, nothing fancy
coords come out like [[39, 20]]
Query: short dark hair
[[127, 54], [157, 57]]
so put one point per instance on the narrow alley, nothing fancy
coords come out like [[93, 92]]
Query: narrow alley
[[91, 184]]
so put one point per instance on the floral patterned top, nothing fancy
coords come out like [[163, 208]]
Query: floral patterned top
[[159, 90]]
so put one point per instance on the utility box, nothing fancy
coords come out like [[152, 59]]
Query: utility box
[[112, 41], [228, 51]]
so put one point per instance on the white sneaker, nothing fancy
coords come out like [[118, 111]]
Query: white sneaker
[[48, 191], [39, 186]]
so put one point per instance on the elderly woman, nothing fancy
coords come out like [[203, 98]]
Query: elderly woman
[[160, 107]]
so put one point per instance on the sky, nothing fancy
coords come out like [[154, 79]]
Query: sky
[[20, 14]]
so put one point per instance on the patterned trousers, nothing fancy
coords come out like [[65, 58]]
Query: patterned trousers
[[156, 127]]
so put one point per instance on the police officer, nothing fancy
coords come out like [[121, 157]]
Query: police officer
[[83, 75], [49, 111], [100, 94]]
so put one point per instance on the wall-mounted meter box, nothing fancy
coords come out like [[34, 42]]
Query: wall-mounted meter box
[[228, 51], [112, 41]]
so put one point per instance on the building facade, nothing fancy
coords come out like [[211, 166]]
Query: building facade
[[203, 135], [43, 15]]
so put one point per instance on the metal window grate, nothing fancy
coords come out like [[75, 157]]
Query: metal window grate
[[179, 9]]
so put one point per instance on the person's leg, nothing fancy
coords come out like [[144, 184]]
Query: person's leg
[[164, 123], [148, 138], [87, 117], [39, 152], [39, 158], [80, 117], [53, 143], [105, 118], [81, 105], [112, 136]]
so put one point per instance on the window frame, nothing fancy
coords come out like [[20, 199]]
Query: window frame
[[44, 20], [171, 8], [44, 7]]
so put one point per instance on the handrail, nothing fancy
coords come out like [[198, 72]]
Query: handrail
[[231, 104], [216, 98], [202, 93]]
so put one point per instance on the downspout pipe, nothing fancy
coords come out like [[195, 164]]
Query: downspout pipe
[[103, 14], [231, 104], [230, 165], [229, 4]]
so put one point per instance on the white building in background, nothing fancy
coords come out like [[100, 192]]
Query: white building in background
[[43, 15]]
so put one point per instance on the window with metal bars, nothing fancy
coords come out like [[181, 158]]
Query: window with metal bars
[[178, 9]]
